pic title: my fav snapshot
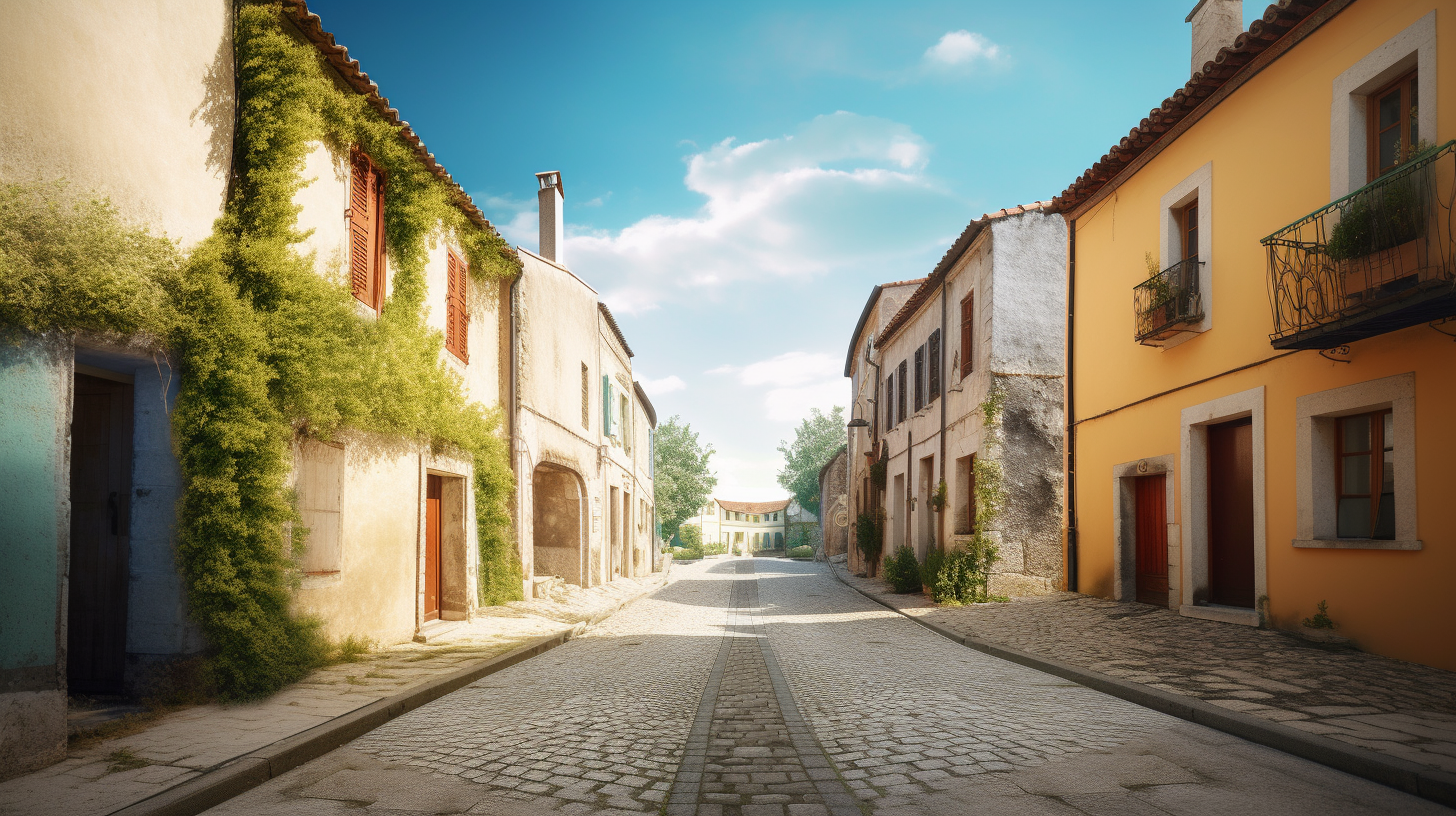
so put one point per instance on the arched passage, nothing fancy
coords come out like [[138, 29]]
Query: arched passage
[[557, 545]]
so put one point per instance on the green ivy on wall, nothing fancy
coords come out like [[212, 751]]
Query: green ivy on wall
[[269, 350]]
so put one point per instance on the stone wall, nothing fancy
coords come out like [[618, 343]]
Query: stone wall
[[834, 517]]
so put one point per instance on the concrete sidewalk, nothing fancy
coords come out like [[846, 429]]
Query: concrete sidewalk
[[182, 747], [1402, 710]]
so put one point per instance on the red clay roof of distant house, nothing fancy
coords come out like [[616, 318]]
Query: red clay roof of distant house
[[957, 248], [337, 57], [1162, 123], [754, 507]]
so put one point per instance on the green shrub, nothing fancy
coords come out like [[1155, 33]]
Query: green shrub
[[687, 553], [902, 571], [802, 551], [714, 549], [690, 536], [930, 570], [869, 534], [964, 575]]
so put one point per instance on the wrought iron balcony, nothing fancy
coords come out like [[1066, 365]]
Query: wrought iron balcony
[[1168, 303], [1377, 260]]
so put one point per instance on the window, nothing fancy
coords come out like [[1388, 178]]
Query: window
[[585, 398], [968, 334], [1365, 476], [890, 401], [457, 313], [965, 505], [366, 231], [919, 378], [609, 418], [1392, 130], [320, 485], [625, 421], [900, 377], [1188, 231], [932, 377]]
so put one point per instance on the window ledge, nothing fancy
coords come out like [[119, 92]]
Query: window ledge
[[1222, 614], [1356, 544]]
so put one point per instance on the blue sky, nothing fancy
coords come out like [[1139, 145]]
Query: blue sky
[[739, 175]]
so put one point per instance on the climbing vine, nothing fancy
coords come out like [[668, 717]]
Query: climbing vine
[[269, 350], [966, 570]]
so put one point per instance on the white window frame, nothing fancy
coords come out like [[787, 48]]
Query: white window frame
[[1413, 48], [1198, 185], [1193, 483], [1314, 450]]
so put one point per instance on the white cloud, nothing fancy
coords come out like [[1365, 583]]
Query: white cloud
[[598, 201], [843, 193], [792, 383], [661, 385], [957, 49]]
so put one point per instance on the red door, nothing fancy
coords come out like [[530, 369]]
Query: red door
[[433, 485], [1152, 539], [101, 426], [1231, 513]]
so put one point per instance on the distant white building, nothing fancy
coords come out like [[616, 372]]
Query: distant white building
[[744, 526]]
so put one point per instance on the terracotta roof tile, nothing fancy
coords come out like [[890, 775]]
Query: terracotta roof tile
[[948, 260], [1277, 21], [754, 507], [612, 321], [337, 56]]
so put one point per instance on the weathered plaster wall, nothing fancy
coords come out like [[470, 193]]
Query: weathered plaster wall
[[1029, 309], [131, 100], [375, 593], [35, 418]]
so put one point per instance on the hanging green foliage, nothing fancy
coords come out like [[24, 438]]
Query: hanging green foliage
[[268, 349]]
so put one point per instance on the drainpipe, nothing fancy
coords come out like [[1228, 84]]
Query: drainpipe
[[513, 410], [940, 520], [1071, 408]]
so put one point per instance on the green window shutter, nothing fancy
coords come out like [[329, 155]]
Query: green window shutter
[[606, 405]]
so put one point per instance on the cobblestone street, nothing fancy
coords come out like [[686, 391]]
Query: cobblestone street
[[765, 687]]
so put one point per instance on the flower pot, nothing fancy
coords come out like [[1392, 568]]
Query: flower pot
[[1364, 276]]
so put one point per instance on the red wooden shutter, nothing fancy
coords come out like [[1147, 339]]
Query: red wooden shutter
[[968, 322], [457, 315], [364, 232]]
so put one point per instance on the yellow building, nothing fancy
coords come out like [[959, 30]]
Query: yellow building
[[1262, 374]]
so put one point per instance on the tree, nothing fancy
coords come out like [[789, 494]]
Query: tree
[[816, 440], [682, 481]]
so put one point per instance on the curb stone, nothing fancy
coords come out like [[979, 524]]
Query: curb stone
[[249, 771], [1418, 780]]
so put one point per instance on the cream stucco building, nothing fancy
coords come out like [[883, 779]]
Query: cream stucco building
[[91, 597], [743, 527], [582, 426], [988, 317]]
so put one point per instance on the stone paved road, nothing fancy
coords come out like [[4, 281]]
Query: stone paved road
[[1402, 709], [766, 688]]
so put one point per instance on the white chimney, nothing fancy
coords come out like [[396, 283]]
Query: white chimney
[[1216, 23], [550, 200]]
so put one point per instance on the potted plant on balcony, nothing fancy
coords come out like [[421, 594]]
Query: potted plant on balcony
[[1375, 242]]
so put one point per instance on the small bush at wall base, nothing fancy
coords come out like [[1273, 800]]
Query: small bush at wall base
[[869, 532], [804, 551], [965, 573], [902, 571], [930, 570]]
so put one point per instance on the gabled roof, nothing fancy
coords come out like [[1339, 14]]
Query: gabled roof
[[864, 317], [754, 507], [337, 57], [1162, 124], [616, 330], [843, 449], [947, 262]]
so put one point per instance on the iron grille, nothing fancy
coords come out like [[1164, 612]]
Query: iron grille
[[1168, 302], [1377, 260]]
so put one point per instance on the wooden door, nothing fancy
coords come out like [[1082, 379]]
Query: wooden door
[[101, 427], [1150, 497], [433, 492], [1231, 513]]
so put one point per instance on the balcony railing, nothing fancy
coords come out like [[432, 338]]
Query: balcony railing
[[1168, 303], [1377, 260]]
